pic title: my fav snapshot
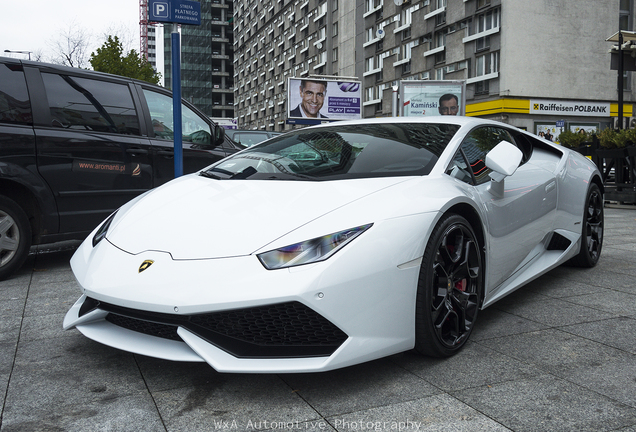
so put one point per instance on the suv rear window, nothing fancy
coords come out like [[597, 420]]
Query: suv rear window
[[90, 105], [14, 98]]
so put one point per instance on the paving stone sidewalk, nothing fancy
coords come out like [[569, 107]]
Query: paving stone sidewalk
[[557, 355]]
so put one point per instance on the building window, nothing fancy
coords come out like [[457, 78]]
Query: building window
[[440, 39], [482, 3], [482, 44], [440, 19], [487, 64], [369, 94], [624, 15], [334, 29], [488, 21], [334, 54], [482, 87], [372, 4]]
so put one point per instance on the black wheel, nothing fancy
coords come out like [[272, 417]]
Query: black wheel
[[449, 288], [15, 237], [592, 230]]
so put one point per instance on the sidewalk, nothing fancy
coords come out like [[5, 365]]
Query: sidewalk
[[557, 355]]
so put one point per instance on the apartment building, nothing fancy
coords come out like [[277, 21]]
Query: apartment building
[[534, 64], [207, 70]]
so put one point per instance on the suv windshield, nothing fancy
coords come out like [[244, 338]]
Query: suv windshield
[[337, 152]]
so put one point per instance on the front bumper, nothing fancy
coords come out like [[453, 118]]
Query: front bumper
[[238, 317]]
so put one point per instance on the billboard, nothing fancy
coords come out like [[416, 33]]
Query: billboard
[[427, 98], [315, 100]]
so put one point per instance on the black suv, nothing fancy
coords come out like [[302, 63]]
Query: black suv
[[76, 145]]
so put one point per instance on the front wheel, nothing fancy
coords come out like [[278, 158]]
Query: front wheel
[[449, 288], [592, 229], [15, 237]]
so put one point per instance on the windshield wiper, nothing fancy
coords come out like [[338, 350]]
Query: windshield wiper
[[247, 172], [208, 174]]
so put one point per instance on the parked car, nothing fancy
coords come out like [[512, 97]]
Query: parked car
[[250, 137], [76, 145], [352, 241]]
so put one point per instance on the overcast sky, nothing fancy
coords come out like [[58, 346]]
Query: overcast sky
[[35, 25]]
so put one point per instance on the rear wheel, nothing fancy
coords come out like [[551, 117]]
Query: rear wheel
[[15, 237], [449, 288], [592, 230]]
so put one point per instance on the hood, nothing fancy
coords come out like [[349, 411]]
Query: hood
[[195, 217]]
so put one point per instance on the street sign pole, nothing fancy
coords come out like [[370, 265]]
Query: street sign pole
[[176, 100], [176, 12]]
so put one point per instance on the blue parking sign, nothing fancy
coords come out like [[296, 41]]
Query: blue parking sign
[[175, 11], [160, 9]]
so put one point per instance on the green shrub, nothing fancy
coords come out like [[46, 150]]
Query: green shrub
[[574, 139]]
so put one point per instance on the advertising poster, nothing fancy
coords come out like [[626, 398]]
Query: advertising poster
[[315, 100], [589, 128], [428, 98], [549, 131]]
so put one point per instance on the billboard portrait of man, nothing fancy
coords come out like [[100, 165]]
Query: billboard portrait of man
[[448, 104], [432, 98], [312, 94]]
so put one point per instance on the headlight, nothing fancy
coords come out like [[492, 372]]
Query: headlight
[[310, 251], [101, 232]]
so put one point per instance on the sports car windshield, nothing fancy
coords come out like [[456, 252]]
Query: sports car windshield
[[339, 151]]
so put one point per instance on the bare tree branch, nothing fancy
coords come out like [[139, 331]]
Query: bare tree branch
[[71, 46]]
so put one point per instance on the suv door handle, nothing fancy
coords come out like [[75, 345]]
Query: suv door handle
[[136, 151]]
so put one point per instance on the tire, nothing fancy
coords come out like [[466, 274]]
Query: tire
[[449, 289], [15, 237], [592, 230]]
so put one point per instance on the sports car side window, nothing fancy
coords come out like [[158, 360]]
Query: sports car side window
[[458, 169]]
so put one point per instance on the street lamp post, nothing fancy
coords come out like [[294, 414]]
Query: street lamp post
[[623, 58], [19, 52]]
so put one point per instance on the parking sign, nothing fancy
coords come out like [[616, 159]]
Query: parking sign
[[160, 9], [175, 11]]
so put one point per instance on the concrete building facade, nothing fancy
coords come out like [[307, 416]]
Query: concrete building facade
[[533, 64]]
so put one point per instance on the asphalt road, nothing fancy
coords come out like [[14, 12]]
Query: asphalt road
[[557, 355]]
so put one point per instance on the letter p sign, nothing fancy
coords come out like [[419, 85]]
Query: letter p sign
[[160, 9]]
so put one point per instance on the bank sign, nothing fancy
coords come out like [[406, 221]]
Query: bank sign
[[175, 11], [571, 108]]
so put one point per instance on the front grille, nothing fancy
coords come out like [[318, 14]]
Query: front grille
[[279, 324], [280, 330], [163, 331]]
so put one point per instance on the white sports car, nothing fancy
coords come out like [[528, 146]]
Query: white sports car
[[337, 244]]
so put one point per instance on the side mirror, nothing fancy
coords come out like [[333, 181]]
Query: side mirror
[[219, 134], [504, 160]]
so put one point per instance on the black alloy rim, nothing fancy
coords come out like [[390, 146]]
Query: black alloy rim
[[594, 225], [456, 286]]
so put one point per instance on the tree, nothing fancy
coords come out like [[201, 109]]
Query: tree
[[71, 46], [110, 59]]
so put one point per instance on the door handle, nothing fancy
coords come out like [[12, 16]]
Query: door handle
[[136, 151], [550, 186]]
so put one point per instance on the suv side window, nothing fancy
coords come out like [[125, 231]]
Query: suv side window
[[193, 128], [14, 98], [474, 149], [90, 105]]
